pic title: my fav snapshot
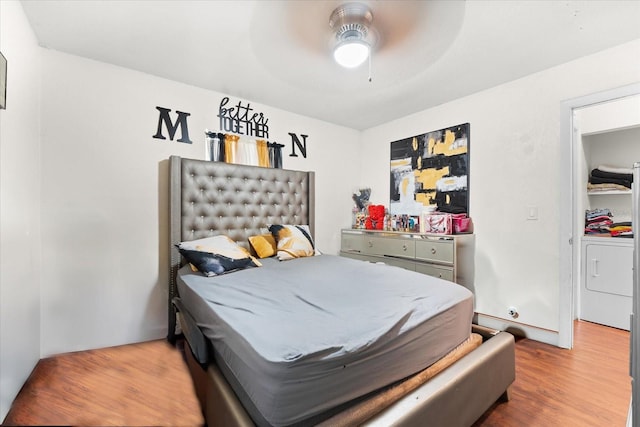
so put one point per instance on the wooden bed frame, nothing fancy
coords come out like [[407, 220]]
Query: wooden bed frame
[[209, 198]]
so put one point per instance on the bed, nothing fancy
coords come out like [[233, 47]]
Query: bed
[[468, 369]]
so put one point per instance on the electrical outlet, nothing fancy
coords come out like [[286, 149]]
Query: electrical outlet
[[513, 312]]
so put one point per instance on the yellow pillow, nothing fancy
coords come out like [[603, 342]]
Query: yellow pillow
[[264, 245]]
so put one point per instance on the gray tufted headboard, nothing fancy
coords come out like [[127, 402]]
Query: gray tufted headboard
[[209, 198]]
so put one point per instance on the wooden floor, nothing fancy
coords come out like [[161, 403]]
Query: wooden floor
[[143, 384], [147, 384], [586, 386]]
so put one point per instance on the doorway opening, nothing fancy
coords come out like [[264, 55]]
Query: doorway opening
[[588, 115]]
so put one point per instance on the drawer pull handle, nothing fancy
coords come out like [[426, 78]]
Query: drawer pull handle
[[404, 248], [440, 275], [370, 243], [433, 251]]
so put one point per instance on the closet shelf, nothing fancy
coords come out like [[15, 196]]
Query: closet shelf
[[610, 192]]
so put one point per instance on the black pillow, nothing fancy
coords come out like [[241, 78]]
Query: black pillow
[[211, 264]]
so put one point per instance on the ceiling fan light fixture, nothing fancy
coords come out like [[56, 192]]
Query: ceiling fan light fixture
[[351, 53], [351, 24]]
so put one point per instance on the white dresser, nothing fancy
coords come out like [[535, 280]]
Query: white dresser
[[448, 257]]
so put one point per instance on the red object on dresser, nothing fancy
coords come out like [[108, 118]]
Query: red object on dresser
[[375, 220]]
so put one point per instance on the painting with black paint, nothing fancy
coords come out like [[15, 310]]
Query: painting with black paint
[[430, 170]]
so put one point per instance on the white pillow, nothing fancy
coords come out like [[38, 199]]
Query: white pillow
[[293, 241], [216, 255]]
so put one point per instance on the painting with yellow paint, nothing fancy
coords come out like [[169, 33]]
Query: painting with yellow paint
[[431, 170]]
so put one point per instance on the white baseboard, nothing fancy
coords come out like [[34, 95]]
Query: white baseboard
[[520, 329]]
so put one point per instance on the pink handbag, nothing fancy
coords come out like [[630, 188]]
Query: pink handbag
[[461, 223]]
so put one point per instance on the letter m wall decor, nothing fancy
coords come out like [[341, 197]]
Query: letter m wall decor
[[181, 122]]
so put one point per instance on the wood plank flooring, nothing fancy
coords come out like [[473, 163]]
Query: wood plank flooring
[[148, 384], [586, 386], [144, 384]]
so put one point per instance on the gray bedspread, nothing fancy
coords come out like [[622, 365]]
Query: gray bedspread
[[300, 337]]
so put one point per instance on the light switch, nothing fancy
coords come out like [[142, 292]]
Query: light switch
[[532, 213]]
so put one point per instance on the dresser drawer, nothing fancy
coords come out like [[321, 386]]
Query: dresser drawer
[[435, 250], [352, 242], [402, 263], [360, 257], [405, 248], [441, 272], [396, 262]]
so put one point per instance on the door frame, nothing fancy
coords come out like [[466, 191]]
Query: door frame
[[569, 227]]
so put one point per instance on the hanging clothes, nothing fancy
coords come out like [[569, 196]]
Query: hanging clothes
[[247, 152], [275, 155], [230, 147], [214, 149], [263, 153], [239, 149]]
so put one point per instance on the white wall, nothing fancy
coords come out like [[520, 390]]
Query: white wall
[[105, 201], [514, 164], [19, 205]]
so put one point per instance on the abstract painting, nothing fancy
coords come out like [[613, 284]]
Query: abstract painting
[[431, 171]]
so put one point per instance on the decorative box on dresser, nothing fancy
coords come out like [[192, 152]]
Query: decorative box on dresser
[[448, 257]]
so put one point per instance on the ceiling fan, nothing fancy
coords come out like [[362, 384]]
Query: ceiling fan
[[353, 33], [403, 37]]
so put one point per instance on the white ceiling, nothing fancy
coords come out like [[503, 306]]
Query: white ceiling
[[278, 52]]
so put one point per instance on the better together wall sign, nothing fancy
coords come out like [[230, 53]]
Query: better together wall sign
[[240, 119], [236, 118]]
